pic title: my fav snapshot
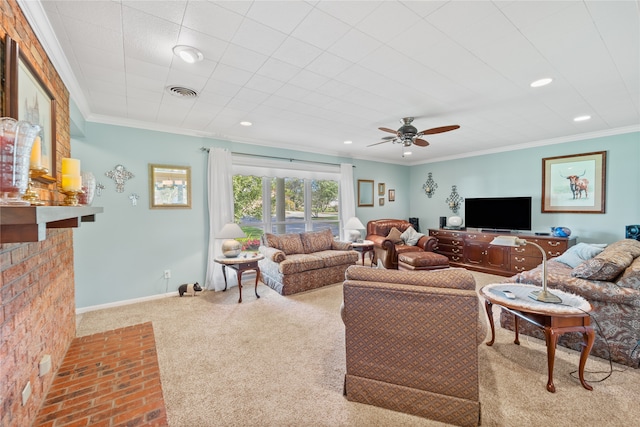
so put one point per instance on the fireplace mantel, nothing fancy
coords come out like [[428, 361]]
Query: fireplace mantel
[[20, 224]]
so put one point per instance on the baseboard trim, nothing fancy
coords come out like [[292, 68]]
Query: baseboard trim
[[124, 302]]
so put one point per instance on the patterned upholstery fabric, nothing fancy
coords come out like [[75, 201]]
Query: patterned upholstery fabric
[[422, 260], [631, 276], [608, 264], [411, 342], [289, 268], [291, 244], [316, 241], [615, 310]]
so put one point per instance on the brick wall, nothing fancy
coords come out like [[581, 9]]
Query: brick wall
[[37, 299]]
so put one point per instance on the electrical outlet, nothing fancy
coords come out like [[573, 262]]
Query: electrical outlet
[[167, 274], [26, 393]]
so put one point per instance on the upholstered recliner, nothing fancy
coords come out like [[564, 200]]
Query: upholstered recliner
[[386, 250], [412, 341]]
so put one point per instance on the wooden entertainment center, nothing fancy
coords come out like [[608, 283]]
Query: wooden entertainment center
[[473, 250]]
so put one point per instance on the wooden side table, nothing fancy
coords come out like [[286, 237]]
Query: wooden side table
[[364, 247], [555, 319], [241, 263]]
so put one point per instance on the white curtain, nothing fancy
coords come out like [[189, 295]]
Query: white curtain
[[220, 201], [347, 197]]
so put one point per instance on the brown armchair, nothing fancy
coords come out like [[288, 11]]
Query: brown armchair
[[386, 250], [411, 341]]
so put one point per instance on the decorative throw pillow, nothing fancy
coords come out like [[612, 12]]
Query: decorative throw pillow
[[272, 240], [395, 235], [631, 276], [316, 241], [576, 255], [609, 263], [291, 244], [410, 236]]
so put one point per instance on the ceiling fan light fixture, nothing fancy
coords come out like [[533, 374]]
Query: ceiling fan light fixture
[[188, 54], [541, 82]]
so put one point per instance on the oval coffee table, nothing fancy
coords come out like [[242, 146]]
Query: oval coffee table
[[572, 315]]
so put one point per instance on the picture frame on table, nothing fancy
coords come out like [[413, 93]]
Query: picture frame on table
[[574, 183], [31, 100]]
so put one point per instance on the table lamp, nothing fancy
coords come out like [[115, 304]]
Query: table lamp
[[544, 295], [352, 228], [231, 247]]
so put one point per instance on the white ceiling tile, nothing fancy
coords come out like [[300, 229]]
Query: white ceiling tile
[[278, 70], [172, 11], [103, 14], [308, 80], [258, 37], [263, 84], [296, 52], [354, 46], [221, 87], [388, 21], [190, 80], [211, 19], [424, 8], [329, 65], [212, 48], [148, 38], [228, 74], [349, 12], [292, 92], [84, 33], [245, 59], [320, 29], [283, 16]]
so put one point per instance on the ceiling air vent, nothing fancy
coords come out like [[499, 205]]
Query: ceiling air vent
[[182, 92]]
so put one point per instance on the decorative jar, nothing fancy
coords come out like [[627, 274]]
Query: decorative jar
[[16, 141], [88, 189], [560, 231]]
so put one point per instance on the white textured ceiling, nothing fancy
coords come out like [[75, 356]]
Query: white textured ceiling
[[312, 74]]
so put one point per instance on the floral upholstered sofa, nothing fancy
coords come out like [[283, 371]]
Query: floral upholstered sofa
[[609, 278], [298, 262]]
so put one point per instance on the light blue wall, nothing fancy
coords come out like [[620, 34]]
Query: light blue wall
[[519, 173], [124, 253]]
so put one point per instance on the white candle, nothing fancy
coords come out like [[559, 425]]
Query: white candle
[[70, 167], [71, 182], [36, 154]]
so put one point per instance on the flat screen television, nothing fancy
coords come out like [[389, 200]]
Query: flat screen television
[[498, 213]]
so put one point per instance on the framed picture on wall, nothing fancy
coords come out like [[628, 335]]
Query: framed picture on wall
[[381, 201], [381, 189], [34, 102], [169, 186], [574, 183], [392, 195], [365, 192]]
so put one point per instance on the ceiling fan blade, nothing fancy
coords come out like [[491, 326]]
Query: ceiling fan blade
[[389, 130], [420, 142], [439, 130], [378, 143]]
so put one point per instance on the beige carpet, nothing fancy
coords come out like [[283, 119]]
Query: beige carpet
[[279, 361]]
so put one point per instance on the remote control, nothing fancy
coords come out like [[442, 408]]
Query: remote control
[[509, 294]]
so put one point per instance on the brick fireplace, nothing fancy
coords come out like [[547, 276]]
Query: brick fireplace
[[37, 315]]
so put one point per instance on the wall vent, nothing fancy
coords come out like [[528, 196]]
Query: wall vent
[[182, 92]]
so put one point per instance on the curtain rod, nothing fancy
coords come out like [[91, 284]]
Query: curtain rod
[[279, 158]]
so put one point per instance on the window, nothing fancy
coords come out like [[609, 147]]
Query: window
[[285, 205]]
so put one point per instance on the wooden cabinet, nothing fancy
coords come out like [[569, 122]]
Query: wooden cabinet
[[473, 250]]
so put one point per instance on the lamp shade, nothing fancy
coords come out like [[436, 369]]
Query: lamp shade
[[231, 231], [352, 228], [354, 224]]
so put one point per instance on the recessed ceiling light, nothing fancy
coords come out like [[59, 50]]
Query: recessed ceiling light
[[542, 82], [245, 123], [348, 142], [581, 118], [188, 54]]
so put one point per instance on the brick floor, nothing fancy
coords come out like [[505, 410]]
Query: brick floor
[[109, 379]]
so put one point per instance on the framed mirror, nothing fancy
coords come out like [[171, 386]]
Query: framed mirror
[[169, 186], [365, 192]]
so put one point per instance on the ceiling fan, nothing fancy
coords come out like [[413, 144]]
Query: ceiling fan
[[408, 134]]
